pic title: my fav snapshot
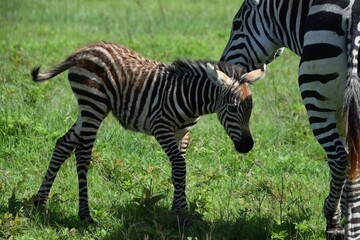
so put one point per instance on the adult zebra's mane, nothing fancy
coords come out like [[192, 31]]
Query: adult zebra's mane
[[181, 67]]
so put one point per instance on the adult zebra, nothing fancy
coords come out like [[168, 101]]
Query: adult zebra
[[161, 100], [325, 34]]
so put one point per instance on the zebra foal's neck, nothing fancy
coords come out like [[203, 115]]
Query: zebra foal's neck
[[194, 90]]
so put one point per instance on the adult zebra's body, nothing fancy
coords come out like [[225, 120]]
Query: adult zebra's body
[[325, 34], [161, 100]]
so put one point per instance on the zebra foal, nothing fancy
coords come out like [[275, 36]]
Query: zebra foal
[[164, 101]]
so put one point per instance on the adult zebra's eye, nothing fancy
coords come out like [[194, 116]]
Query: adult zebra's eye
[[232, 108]]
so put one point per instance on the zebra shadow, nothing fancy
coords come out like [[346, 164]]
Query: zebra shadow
[[156, 222], [146, 218], [52, 215]]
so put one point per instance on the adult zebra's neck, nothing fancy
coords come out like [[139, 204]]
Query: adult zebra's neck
[[261, 28], [285, 20]]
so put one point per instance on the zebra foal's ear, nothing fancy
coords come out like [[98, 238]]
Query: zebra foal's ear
[[254, 75], [218, 77]]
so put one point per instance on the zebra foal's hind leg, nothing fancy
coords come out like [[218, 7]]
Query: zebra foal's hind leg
[[83, 155], [182, 135], [182, 140], [63, 148], [80, 137]]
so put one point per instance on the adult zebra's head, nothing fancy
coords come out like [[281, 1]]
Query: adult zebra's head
[[234, 102], [251, 43]]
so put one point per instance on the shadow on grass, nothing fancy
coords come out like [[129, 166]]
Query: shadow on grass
[[141, 222], [155, 222], [51, 215], [143, 219]]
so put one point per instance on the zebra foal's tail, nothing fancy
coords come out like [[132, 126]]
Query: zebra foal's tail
[[352, 94], [61, 67]]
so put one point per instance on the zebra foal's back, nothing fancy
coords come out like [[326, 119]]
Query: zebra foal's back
[[124, 76]]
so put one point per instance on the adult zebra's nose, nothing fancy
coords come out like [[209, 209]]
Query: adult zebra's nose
[[245, 144]]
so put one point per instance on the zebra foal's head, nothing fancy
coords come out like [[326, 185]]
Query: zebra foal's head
[[235, 102]]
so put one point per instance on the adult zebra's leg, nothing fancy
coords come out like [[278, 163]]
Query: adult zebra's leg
[[167, 140], [350, 201], [323, 121], [331, 207], [322, 78], [324, 109], [328, 137], [63, 148]]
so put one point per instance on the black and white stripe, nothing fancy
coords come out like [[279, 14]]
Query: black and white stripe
[[325, 34], [164, 101]]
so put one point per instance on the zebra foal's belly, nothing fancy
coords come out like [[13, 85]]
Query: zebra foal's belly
[[134, 123]]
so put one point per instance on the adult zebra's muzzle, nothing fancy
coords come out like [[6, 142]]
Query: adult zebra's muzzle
[[245, 144]]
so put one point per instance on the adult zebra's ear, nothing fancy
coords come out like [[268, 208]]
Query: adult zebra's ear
[[254, 75], [218, 77]]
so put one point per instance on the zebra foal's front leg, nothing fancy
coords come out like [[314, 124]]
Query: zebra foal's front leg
[[178, 168], [178, 177]]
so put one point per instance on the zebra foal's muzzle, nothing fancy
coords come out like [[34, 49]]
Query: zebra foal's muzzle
[[245, 144]]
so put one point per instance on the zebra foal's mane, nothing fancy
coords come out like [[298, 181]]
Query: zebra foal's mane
[[183, 66]]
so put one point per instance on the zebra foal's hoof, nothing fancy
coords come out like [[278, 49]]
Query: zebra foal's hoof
[[88, 220], [185, 222], [335, 234], [39, 206], [38, 202], [183, 217]]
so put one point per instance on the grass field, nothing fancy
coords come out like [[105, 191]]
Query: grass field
[[274, 192]]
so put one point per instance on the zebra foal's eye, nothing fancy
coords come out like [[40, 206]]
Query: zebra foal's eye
[[232, 108]]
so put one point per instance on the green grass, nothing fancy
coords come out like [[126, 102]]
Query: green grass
[[274, 192]]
